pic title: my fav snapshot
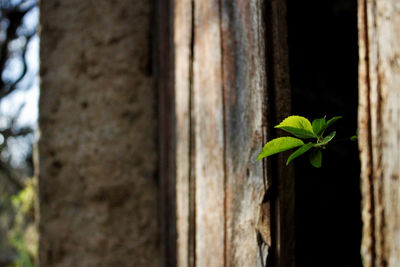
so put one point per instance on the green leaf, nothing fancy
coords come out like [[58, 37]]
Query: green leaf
[[354, 138], [303, 149], [300, 133], [279, 144], [298, 126], [330, 122], [318, 126], [326, 140], [316, 158]]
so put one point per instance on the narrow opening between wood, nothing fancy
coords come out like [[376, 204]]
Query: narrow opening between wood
[[323, 55]]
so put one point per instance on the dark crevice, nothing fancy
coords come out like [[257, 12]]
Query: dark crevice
[[370, 178], [224, 132], [192, 177], [161, 65], [272, 162], [323, 57]]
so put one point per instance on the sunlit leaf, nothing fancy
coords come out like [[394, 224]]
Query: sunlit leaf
[[279, 144], [298, 126]]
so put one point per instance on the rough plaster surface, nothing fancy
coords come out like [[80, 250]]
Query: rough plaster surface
[[97, 185]]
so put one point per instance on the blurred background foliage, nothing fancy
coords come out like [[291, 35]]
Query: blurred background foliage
[[18, 116]]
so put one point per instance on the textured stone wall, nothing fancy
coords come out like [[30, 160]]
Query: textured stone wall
[[97, 182]]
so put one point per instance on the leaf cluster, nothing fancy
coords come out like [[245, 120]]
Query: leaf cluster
[[308, 136]]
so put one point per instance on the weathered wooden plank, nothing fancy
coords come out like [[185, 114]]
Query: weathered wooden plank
[[208, 135], [379, 131], [367, 248], [221, 128], [182, 47], [244, 84]]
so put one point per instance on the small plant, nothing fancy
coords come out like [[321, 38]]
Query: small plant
[[302, 128]]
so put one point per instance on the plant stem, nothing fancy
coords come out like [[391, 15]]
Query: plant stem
[[342, 139]]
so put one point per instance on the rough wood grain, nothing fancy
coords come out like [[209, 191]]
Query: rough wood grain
[[244, 80], [183, 69], [208, 135], [379, 132], [221, 126]]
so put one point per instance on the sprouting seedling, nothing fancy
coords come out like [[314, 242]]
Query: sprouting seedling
[[302, 128]]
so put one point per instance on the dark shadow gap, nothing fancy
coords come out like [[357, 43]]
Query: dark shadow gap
[[323, 57]]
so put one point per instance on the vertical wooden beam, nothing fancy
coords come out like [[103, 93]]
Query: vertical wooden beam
[[221, 94], [208, 135], [244, 81], [379, 131], [183, 36], [368, 242]]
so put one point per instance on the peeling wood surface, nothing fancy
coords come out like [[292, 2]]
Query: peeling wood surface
[[379, 132], [244, 84], [221, 97]]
